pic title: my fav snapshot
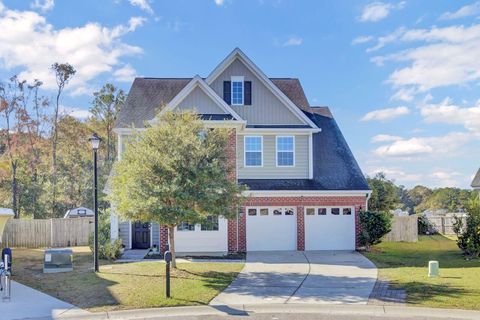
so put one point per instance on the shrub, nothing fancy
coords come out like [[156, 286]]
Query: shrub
[[374, 225], [425, 226], [469, 234], [106, 248]]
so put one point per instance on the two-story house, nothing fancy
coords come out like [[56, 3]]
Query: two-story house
[[305, 186]]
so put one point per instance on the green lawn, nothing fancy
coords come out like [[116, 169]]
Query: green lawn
[[406, 266], [124, 285]]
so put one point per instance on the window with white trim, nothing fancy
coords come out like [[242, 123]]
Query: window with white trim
[[211, 224], [285, 151], [237, 91], [253, 151], [185, 226]]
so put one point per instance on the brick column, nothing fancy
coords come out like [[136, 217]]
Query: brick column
[[163, 238], [233, 245], [242, 231], [300, 228], [358, 229], [232, 236]]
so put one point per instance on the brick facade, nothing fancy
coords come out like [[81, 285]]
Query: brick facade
[[237, 233]]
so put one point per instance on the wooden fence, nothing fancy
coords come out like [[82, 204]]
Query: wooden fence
[[40, 233], [403, 229], [443, 224]]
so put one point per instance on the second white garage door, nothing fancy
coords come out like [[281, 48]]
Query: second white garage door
[[271, 228], [329, 228]]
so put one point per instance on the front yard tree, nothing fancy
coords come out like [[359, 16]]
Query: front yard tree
[[175, 171]]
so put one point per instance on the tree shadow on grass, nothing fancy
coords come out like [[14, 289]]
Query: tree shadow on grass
[[419, 292]]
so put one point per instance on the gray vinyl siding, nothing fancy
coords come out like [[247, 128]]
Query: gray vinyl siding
[[124, 232], [266, 108], [155, 234], [199, 101], [269, 170]]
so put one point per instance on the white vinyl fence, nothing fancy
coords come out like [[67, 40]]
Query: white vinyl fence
[[40, 233], [404, 229], [443, 224]]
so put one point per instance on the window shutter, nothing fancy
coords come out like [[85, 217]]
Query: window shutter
[[227, 92], [248, 93]]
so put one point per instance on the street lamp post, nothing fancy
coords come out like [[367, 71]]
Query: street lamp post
[[95, 140]]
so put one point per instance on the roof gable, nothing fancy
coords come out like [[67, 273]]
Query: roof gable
[[197, 86], [476, 181], [238, 55]]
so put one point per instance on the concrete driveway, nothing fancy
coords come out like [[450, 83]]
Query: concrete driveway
[[330, 277]]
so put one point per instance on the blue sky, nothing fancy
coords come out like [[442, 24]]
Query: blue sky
[[401, 77]]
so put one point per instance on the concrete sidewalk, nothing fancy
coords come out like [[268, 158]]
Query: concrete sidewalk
[[282, 311], [29, 303]]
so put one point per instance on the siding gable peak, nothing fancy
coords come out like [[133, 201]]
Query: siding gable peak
[[238, 55], [198, 87]]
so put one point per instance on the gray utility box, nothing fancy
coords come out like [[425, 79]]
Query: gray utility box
[[58, 260]]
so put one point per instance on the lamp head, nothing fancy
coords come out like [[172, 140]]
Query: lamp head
[[95, 140]]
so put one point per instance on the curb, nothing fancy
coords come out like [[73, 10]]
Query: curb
[[245, 310]]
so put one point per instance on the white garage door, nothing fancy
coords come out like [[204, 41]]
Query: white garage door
[[329, 228], [271, 228]]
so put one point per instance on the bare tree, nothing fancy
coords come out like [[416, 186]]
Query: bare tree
[[63, 73], [105, 106]]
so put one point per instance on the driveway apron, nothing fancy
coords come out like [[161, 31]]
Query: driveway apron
[[330, 277]]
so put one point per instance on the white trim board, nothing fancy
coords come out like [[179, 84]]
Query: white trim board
[[238, 54], [307, 193]]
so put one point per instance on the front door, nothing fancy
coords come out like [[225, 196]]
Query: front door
[[141, 235]]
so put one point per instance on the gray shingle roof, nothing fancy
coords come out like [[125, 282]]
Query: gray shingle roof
[[476, 180], [148, 95], [334, 166]]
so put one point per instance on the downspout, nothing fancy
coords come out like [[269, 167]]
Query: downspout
[[366, 202]]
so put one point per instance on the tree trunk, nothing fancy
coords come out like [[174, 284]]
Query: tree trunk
[[54, 156], [171, 240], [14, 190]]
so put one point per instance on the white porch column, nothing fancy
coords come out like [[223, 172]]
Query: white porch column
[[113, 227]]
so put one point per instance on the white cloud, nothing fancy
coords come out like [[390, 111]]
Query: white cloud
[[77, 113], [397, 174], [219, 2], [293, 41], [143, 5], [377, 11], [125, 74], [31, 44], [442, 57], [424, 146], [445, 179], [465, 11], [385, 114], [384, 138], [44, 6], [449, 113], [362, 39]]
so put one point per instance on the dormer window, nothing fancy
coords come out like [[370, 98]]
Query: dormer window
[[237, 91]]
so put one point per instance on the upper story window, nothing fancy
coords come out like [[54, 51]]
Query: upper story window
[[253, 151], [285, 151], [237, 91]]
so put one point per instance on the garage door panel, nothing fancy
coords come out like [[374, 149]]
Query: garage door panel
[[271, 228], [330, 228]]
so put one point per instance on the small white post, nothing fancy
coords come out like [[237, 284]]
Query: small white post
[[433, 269]]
